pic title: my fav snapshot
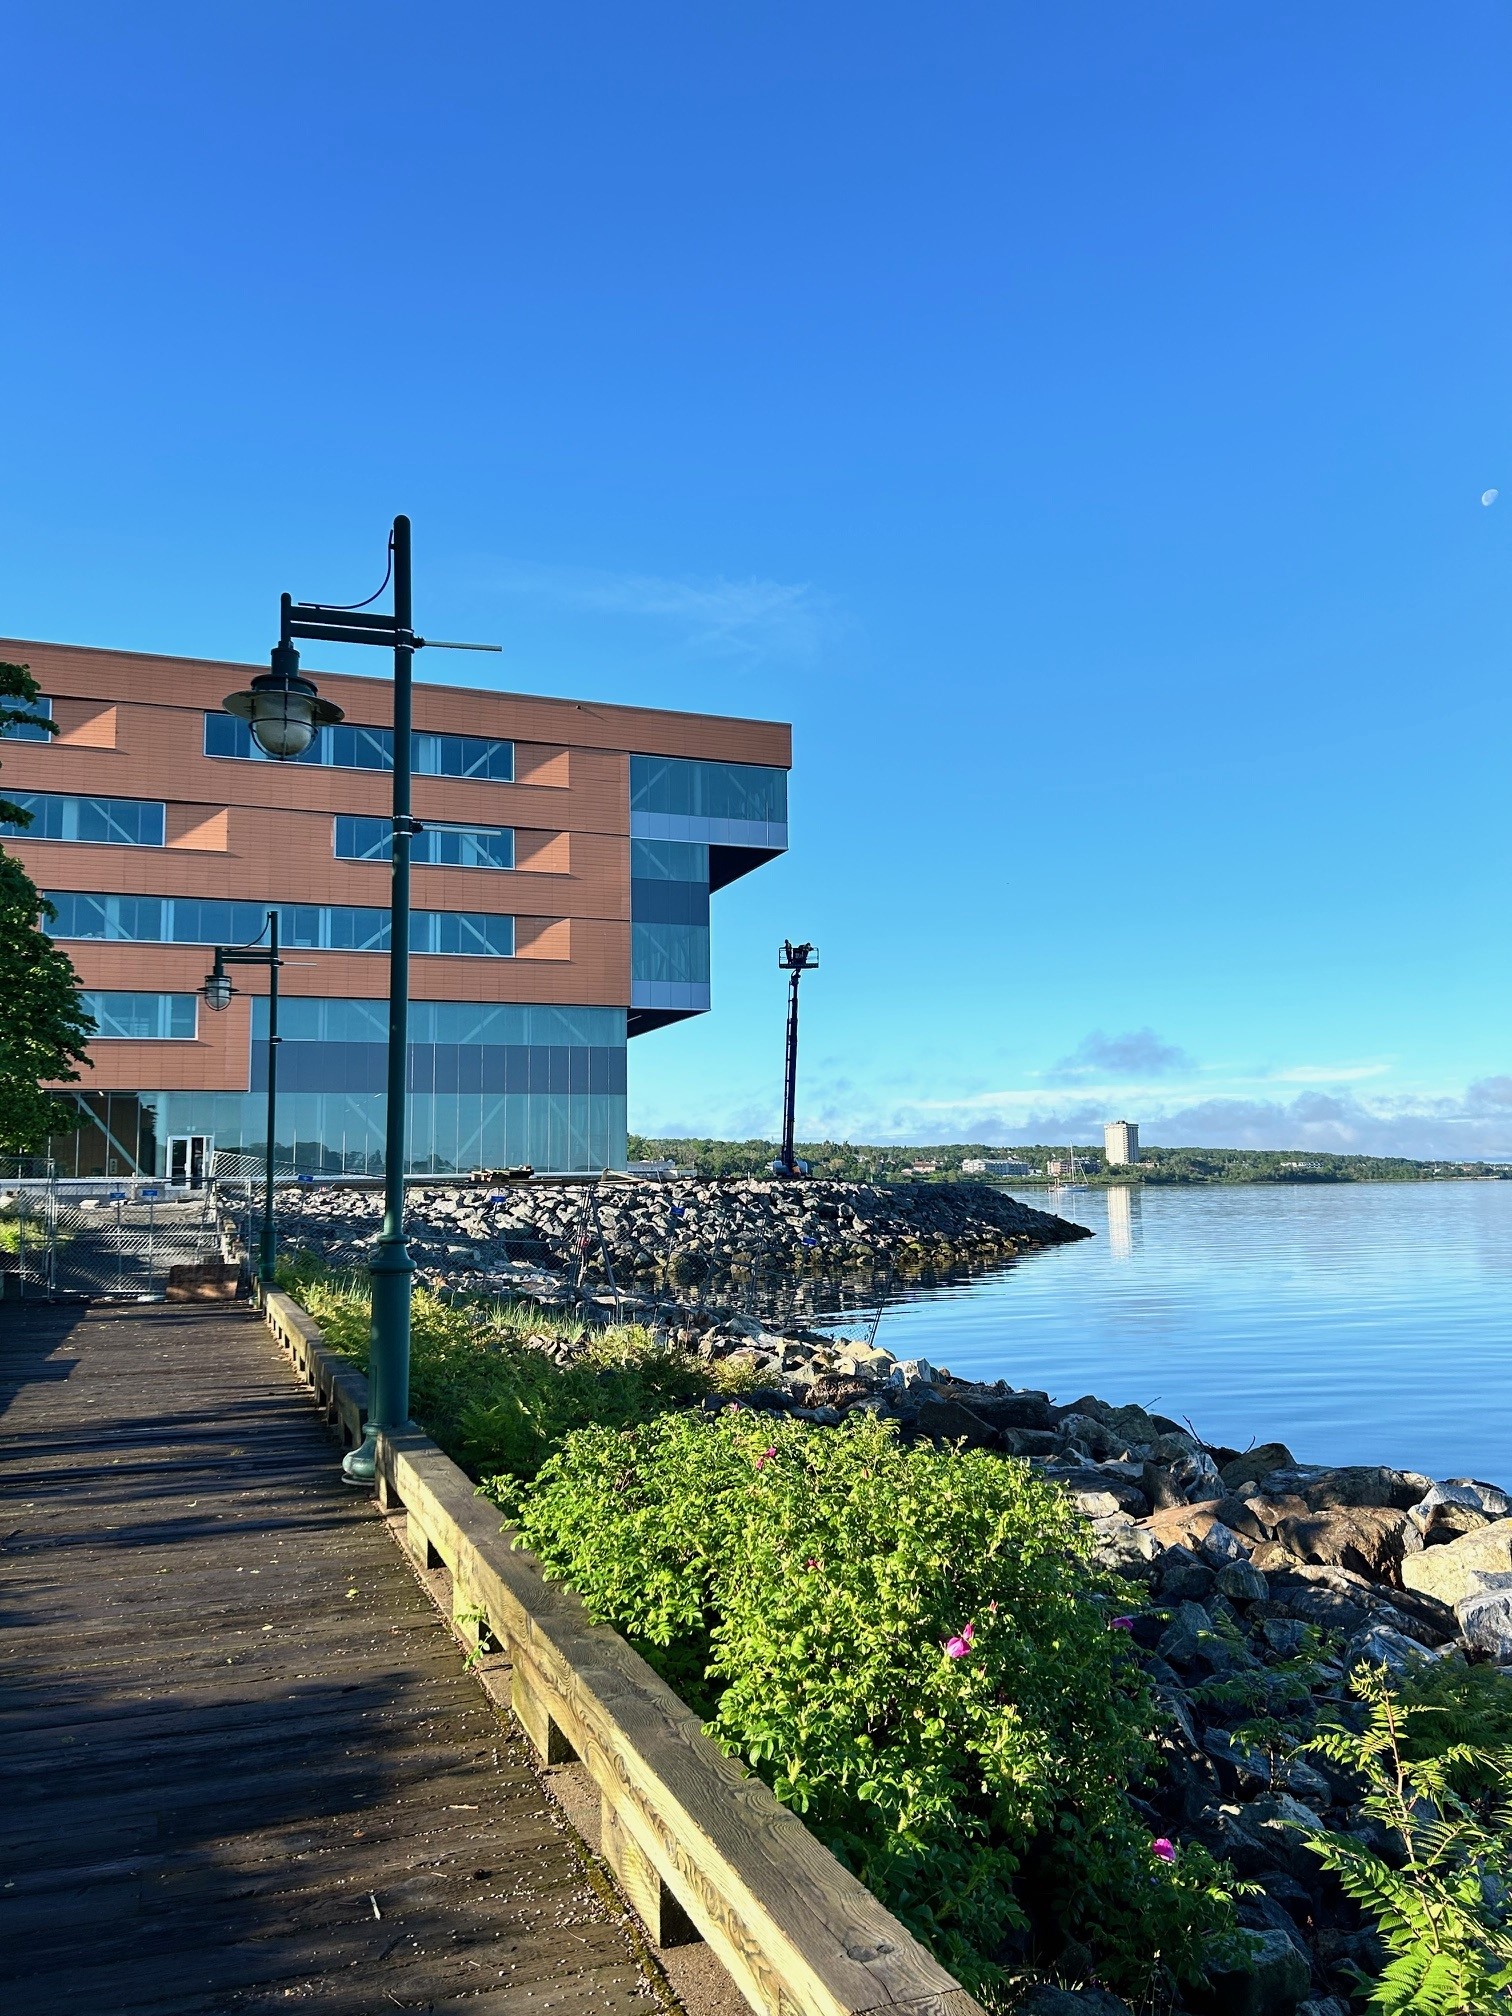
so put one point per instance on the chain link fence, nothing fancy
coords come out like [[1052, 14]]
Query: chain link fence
[[62, 1238]]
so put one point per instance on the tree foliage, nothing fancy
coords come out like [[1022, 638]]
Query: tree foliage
[[44, 1030]]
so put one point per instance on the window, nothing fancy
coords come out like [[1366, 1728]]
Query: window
[[28, 731], [324, 927], [142, 1017], [112, 822], [669, 952], [669, 861], [741, 791], [349, 746], [367, 839], [465, 932], [463, 756]]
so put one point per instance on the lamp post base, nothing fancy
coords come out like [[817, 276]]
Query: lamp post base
[[359, 1466]]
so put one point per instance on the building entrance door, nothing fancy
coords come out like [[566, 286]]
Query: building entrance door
[[189, 1160]]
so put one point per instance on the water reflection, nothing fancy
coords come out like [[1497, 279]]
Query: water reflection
[[1358, 1322]]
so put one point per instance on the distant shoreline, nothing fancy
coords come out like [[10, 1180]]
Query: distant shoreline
[[1158, 1167]]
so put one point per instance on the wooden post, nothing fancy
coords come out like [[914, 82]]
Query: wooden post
[[658, 1910]]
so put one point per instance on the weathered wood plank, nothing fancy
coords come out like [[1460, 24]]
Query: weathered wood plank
[[210, 1773]]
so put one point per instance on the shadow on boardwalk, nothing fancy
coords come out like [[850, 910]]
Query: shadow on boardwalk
[[244, 1767]]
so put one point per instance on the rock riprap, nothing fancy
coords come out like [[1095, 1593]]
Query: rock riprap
[[679, 1234]]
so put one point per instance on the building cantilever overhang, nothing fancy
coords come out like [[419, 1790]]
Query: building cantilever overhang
[[561, 895]]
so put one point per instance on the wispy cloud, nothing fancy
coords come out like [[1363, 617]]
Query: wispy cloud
[[743, 618], [1139, 1053]]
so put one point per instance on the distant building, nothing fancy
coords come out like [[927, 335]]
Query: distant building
[[999, 1165], [1121, 1143]]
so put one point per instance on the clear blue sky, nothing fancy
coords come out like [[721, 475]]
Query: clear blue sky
[[1074, 418]]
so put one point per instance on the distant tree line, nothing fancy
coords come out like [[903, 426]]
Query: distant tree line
[[857, 1162]]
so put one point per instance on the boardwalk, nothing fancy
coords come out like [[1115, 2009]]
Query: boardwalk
[[242, 1766]]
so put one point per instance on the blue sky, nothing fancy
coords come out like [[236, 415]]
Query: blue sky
[[1074, 419]]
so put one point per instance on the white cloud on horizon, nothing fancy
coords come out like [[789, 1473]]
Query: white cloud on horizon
[[1466, 1127]]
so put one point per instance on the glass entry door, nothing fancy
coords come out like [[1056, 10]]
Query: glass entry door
[[189, 1159]]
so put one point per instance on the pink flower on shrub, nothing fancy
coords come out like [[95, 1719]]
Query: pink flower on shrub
[[958, 1647], [1162, 1849], [765, 1457], [1121, 1624]]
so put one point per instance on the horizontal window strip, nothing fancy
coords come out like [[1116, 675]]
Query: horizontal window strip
[[34, 730], [349, 746], [442, 1067], [323, 927], [103, 822], [705, 790], [141, 1018], [360, 838]]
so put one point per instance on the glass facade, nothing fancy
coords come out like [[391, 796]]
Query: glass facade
[[348, 746], [491, 1086], [718, 804], [325, 927], [142, 1017], [28, 731], [363, 839], [110, 822], [669, 931]]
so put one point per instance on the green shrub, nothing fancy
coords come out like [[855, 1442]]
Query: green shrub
[[909, 1646], [492, 1399], [1441, 1903]]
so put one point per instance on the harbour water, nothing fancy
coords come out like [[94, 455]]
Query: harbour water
[[1357, 1323]]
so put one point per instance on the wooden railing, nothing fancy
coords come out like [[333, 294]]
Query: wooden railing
[[700, 1847]]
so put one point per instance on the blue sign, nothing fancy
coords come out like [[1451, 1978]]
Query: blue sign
[[151, 1193], [118, 1196]]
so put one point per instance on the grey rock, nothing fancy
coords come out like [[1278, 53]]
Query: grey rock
[[1485, 1616], [1241, 1582], [1270, 1980], [1380, 1645], [1256, 1464], [947, 1421], [1459, 1505]]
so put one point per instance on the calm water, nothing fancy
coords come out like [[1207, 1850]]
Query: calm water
[[1367, 1323]]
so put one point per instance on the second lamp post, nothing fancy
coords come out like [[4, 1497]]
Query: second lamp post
[[218, 992]]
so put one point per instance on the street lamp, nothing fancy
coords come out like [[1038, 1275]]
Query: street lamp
[[795, 961], [284, 711], [218, 991]]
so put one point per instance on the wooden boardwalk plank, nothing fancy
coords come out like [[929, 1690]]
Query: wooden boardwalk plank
[[232, 1722]]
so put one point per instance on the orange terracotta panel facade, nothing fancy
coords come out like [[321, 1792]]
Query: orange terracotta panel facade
[[563, 909]]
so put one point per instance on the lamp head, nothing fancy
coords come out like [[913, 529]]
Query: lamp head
[[218, 990], [282, 707]]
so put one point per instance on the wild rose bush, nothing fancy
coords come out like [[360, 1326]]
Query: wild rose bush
[[910, 1646]]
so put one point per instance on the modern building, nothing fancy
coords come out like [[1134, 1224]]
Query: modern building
[[561, 892], [995, 1165], [1121, 1143]]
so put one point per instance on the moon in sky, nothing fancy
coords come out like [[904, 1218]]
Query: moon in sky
[[1489, 496]]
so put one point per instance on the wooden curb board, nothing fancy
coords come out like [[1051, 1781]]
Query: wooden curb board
[[700, 1846]]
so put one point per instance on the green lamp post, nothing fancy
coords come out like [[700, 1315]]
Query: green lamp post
[[285, 712], [218, 992]]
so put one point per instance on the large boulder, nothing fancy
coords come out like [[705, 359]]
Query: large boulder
[[948, 1421], [1458, 1505], [1198, 1528], [1448, 1572], [1013, 1410], [1368, 1540], [1269, 1980], [1485, 1616], [1355, 1484], [1253, 1466]]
